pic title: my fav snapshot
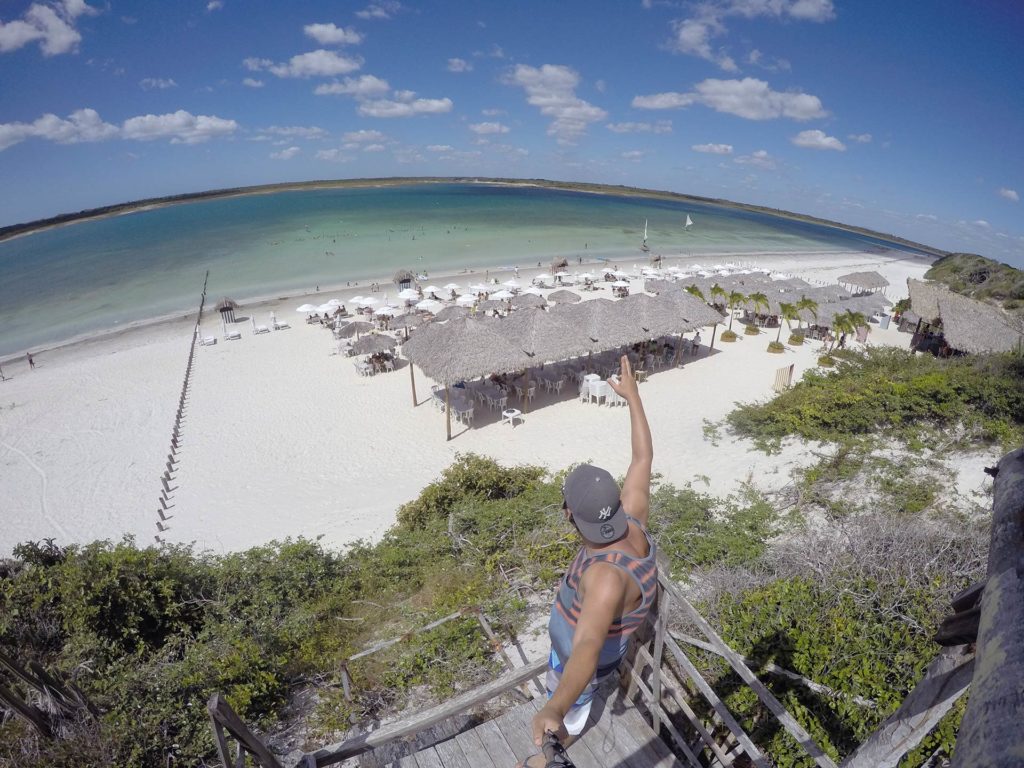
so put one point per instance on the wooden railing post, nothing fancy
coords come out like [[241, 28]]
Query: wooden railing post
[[224, 718]]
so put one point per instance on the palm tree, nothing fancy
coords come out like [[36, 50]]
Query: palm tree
[[788, 313], [717, 292], [693, 290], [848, 323], [808, 305], [735, 298], [758, 301]]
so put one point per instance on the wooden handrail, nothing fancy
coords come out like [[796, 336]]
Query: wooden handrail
[[420, 720]]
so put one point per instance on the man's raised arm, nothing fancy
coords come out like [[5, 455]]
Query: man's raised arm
[[636, 490]]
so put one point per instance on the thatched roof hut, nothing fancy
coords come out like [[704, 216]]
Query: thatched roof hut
[[648, 315], [558, 263], [564, 297], [528, 300], [403, 278], [373, 343], [694, 312], [968, 325], [600, 321], [544, 337], [463, 349], [451, 313], [868, 281], [354, 329]]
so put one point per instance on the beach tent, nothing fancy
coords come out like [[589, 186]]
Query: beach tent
[[227, 308]]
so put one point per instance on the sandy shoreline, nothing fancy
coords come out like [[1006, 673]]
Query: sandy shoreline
[[282, 438]]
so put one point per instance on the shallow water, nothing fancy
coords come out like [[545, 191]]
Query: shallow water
[[103, 274]]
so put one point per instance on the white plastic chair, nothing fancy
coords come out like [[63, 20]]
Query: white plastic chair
[[598, 390]]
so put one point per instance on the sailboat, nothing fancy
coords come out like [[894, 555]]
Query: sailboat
[[643, 246], [688, 224]]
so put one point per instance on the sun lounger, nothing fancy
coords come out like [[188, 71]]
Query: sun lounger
[[280, 324], [208, 341], [261, 329], [233, 335]]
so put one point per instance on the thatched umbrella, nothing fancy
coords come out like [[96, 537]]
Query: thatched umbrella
[[868, 281], [374, 343], [227, 308], [968, 325], [458, 350], [403, 278], [354, 328], [692, 313], [564, 297], [451, 313], [528, 300], [410, 320], [600, 321], [489, 304], [557, 264], [649, 316]]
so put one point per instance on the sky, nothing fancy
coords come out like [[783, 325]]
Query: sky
[[905, 117]]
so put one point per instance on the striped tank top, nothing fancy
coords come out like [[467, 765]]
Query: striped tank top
[[567, 606]]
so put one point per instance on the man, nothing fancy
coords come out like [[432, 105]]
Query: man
[[610, 586]]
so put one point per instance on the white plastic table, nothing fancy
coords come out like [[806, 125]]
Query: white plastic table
[[510, 415]]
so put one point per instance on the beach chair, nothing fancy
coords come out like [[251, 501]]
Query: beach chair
[[597, 390], [208, 341], [464, 413], [280, 324], [257, 329], [232, 335], [584, 392], [389, 365]]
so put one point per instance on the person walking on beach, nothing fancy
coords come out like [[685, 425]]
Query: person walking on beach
[[31, 361], [611, 585]]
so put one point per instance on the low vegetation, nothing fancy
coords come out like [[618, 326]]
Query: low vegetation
[[981, 278]]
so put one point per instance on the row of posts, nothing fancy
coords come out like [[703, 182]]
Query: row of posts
[[167, 491]]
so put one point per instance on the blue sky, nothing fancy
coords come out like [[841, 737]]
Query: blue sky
[[906, 117]]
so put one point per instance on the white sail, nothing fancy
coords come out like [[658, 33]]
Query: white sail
[[643, 247], [689, 222]]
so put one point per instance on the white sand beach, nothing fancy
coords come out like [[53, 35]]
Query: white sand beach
[[282, 438]]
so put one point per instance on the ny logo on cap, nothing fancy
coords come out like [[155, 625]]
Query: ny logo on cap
[[605, 513]]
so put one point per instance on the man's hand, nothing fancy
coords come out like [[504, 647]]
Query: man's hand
[[625, 387], [547, 719]]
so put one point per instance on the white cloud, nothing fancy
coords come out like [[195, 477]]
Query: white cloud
[[360, 87], [52, 26], [383, 9], [250, 82], [149, 83], [488, 128], [180, 127], [285, 154], [331, 34], [332, 156], [772, 64], [318, 63], [404, 105], [669, 100], [439, 148], [817, 140], [298, 131], [214, 5], [713, 149], [693, 36], [759, 159], [860, 138], [661, 126], [364, 137], [633, 154], [981, 223], [1009, 194], [493, 112], [374, 148], [83, 125], [551, 88], [459, 65], [748, 98], [600, 86], [927, 216]]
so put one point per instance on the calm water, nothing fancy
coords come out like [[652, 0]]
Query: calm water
[[103, 274]]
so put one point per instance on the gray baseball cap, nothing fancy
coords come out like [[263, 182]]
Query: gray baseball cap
[[592, 498]]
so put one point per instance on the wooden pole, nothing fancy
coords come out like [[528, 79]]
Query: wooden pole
[[448, 410], [714, 330], [526, 400], [412, 382]]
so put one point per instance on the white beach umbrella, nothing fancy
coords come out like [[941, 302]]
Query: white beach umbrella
[[429, 305], [367, 301], [511, 283], [466, 300], [501, 295], [391, 311], [356, 299], [451, 287], [431, 289], [306, 308], [327, 309], [620, 273], [334, 302], [408, 293], [620, 284], [480, 288], [533, 290], [561, 274]]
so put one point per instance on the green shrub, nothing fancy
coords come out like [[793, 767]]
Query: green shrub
[[776, 347], [752, 330], [728, 335], [826, 361], [796, 339]]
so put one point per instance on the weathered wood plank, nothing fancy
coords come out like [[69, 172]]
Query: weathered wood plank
[[514, 726], [990, 734], [654, 751], [668, 725], [621, 737], [797, 731], [419, 630], [428, 758], [476, 753], [494, 742], [222, 713], [450, 754], [420, 720], [946, 680]]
